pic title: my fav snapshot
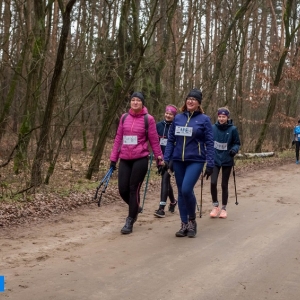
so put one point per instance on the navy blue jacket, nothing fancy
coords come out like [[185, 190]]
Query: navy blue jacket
[[163, 128], [226, 138], [197, 148]]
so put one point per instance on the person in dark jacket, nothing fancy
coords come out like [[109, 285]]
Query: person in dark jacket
[[226, 144], [162, 128], [190, 145], [296, 141], [131, 147]]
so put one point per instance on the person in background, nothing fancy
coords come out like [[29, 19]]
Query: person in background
[[226, 144], [162, 128], [190, 145], [131, 147], [296, 140]]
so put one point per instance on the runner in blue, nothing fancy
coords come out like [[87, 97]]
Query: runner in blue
[[190, 145], [297, 140]]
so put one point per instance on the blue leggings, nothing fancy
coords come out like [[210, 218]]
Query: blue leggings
[[186, 175]]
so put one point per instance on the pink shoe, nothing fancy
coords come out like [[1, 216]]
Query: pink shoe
[[223, 214], [215, 211]]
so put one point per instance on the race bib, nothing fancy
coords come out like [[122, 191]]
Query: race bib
[[130, 140], [183, 131], [220, 146], [163, 142]]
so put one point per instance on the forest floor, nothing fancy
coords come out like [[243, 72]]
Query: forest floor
[[61, 245]]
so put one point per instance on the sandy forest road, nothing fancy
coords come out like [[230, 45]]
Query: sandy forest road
[[253, 254]]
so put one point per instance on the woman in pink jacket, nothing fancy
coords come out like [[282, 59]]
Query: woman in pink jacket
[[131, 146]]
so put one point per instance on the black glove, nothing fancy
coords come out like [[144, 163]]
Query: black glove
[[232, 153], [113, 165], [208, 172], [160, 170], [166, 166], [293, 143]]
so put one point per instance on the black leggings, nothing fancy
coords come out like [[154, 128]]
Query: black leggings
[[297, 150], [130, 178], [166, 188], [214, 181]]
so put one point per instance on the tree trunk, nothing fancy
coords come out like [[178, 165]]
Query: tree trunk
[[221, 52], [36, 171], [274, 95]]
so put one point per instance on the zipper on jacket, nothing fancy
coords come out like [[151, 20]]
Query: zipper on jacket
[[130, 154], [184, 138]]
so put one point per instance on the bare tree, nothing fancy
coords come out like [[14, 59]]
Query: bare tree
[[36, 171], [281, 61]]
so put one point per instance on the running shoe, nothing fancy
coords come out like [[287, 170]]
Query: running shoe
[[160, 213], [215, 211], [172, 207], [223, 214]]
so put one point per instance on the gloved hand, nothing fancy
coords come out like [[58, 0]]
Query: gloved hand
[[208, 172], [293, 143], [160, 170], [113, 165], [232, 153], [166, 165]]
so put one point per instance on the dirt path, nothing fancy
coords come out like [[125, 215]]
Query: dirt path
[[253, 254]]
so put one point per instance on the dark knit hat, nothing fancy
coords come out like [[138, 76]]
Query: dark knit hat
[[197, 94], [138, 95]]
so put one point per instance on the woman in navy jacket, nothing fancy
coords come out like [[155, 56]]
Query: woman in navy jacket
[[190, 144], [226, 144]]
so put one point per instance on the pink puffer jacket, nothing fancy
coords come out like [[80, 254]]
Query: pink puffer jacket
[[134, 125]]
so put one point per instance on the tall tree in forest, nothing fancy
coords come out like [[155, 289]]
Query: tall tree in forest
[[36, 171], [221, 50], [289, 35], [137, 43], [34, 77]]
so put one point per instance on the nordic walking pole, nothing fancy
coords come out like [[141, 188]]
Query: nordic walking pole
[[233, 172], [104, 181], [198, 206], [201, 195], [146, 185]]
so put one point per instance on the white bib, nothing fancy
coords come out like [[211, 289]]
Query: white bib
[[183, 131], [130, 140], [163, 142], [220, 146]]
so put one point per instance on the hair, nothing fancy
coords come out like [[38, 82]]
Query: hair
[[184, 108], [298, 121]]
